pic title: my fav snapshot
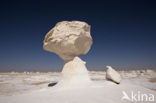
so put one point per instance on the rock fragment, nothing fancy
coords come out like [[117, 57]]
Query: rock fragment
[[112, 75]]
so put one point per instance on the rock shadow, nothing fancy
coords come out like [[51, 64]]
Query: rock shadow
[[52, 84]]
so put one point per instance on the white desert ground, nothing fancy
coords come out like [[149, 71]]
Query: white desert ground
[[69, 39], [32, 87]]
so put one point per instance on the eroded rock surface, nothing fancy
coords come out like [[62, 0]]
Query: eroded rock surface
[[68, 39]]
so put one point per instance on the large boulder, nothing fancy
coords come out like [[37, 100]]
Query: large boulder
[[68, 39], [112, 75]]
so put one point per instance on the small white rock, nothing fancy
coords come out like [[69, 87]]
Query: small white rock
[[112, 75]]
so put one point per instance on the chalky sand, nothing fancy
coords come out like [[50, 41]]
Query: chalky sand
[[69, 39]]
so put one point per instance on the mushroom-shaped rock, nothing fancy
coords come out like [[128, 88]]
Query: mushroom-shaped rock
[[68, 39], [112, 75]]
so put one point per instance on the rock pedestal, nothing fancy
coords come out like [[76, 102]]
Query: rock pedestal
[[75, 74]]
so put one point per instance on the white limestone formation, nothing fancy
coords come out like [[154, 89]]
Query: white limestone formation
[[112, 75], [69, 39], [75, 74]]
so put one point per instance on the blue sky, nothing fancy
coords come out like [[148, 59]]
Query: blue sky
[[124, 33]]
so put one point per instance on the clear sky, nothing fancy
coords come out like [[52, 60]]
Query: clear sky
[[124, 33]]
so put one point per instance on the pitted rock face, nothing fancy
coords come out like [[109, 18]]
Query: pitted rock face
[[68, 39]]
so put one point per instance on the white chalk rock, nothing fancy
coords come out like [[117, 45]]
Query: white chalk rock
[[75, 74], [68, 39], [112, 75]]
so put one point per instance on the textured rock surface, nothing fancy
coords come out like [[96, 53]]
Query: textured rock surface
[[112, 75], [68, 39]]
